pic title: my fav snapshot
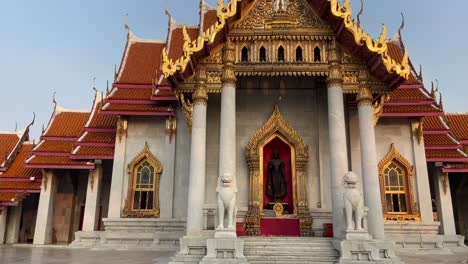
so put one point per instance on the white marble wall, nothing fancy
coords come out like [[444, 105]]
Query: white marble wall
[[304, 109], [153, 131], [399, 132]]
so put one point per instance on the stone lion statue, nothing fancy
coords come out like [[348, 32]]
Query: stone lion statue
[[353, 202], [226, 201]]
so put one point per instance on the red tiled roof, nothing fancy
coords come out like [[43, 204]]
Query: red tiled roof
[[102, 121], [131, 94], [140, 108], [17, 169], [7, 144], [433, 123], [55, 160], [443, 153], [437, 140], [176, 48], [7, 197], [409, 109], [67, 124], [408, 95], [97, 137], [210, 17], [54, 146], [141, 62], [395, 52], [94, 151], [458, 124]]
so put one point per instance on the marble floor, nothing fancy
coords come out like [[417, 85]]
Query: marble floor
[[61, 255]]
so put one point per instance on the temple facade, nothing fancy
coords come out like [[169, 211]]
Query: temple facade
[[271, 124]]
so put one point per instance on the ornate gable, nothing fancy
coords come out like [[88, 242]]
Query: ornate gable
[[263, 14]]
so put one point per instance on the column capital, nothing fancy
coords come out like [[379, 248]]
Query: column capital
[[334, 66], [229, 75], [200, 96], [364, 97]]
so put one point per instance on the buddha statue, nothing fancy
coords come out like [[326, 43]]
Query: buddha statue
[[276, 182]]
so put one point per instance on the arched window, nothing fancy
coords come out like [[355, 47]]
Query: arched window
[[317, 56], [244, 55], [143, 186], [299, 54], [396, 187], [281, 53], [262, 54]]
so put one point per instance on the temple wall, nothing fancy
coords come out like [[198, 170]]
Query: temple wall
[[304, 109], [105, 190], [153, 131]]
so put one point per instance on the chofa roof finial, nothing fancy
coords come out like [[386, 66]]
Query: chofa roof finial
[[358, 17]]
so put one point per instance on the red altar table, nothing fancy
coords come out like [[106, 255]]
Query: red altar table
[[280, 227]]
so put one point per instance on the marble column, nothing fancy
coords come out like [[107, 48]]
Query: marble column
[[370, 177], [444, 203], [45, 211], [3, 224], [338, 143], [227, 138], [14, 223], [422, 179], [196, 192], [119, 170], [93, 196]]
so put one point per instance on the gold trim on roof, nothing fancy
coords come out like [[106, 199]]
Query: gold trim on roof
[[224, 12], [362, 38]]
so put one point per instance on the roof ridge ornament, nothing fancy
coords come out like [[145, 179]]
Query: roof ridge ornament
[[358, 17], [224, 12], [361, 38]]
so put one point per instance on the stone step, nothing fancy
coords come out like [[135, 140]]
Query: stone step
[[291, 259], [290, 251]]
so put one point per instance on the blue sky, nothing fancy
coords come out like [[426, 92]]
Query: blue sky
[[59, 46]]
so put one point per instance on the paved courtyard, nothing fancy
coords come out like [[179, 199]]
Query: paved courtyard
[[31, 255]]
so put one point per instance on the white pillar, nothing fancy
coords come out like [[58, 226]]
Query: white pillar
[[93, 195], [3, 224], [45, 211], [338, 143], [444, 203], [196, 192], [14, 222], [227, 138], [422, 180], [119, 170], [370, 177]]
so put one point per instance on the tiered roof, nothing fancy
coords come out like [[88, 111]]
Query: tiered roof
[[9, 141], [410, 98], [16, 181], [444, 138], [138, 89], [57, 141], [97, 137]]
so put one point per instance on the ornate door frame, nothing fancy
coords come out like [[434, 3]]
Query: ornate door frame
[[277, 126]]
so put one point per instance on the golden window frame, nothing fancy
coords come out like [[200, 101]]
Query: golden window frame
[[412, 212], [144, 155]]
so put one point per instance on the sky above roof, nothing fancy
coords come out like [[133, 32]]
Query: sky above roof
[[60, 46]]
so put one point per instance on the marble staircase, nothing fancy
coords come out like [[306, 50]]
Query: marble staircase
[[297, 250]]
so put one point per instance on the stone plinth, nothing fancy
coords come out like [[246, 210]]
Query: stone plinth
[[224, 250], [366, 251], [134, 233]]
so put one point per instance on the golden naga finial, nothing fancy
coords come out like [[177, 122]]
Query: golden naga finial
[[362, 38], [224, 12]]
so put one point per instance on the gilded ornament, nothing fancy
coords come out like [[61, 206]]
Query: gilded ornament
[[418, 130], [200, 96], [278, 209], [187, 108], [171, 127], [412, 213], [361, 38], [122, 126], [45, 178], [224, 12], [364, 97], [277, 127], [378, 107]]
